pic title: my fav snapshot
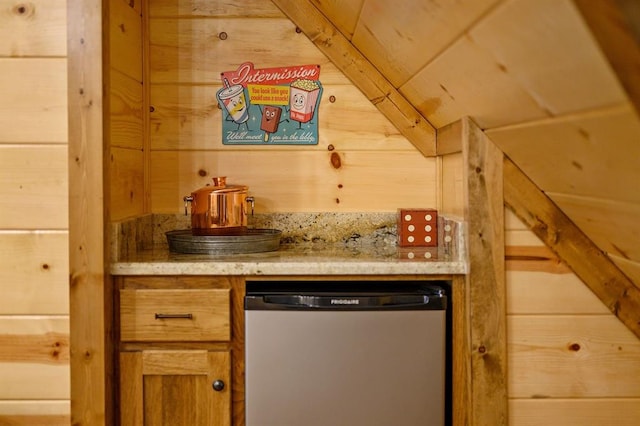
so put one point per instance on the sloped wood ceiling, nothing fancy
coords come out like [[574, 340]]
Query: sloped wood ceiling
[[554, 83]]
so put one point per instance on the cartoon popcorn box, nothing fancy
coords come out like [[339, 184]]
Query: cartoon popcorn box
[[302, 99]]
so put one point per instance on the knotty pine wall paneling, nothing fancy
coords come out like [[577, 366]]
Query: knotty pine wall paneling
[[571, 361], [362, 162], [34, 260], [127, 137], [450, 174], [591, 175]]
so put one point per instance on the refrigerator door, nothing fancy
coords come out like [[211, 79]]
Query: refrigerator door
[[345, 367]]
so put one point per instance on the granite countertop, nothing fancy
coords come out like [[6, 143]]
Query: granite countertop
[[311, 244]]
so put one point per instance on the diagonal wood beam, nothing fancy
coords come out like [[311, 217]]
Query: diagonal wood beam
[[615, 24], [362, 73], [565, 239]]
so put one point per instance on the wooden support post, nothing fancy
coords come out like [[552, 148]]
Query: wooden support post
[[485, 283], [89, 381]]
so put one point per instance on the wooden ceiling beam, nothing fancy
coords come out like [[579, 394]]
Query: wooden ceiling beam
[[571, 245], [362, 73], [615, 24]]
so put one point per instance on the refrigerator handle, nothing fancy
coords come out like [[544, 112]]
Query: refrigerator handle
[[346, 301]]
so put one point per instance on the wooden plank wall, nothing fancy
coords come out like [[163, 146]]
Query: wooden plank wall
[[571, 362], [127, 116], [592, 176], [362, 162], [34, 307]]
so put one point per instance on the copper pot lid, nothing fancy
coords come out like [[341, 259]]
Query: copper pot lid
[[220, 186]]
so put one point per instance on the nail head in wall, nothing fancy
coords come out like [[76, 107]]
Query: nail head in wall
[[298, 30], [222, 35], [202, 172], [151, 109], [332, 98], [330, 147]]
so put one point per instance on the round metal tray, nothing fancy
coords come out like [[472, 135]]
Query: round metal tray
[[248, 241]]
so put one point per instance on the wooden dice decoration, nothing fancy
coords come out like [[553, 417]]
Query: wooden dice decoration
[[417, 227]]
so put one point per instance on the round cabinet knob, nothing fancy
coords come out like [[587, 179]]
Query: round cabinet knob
[[218, 385]]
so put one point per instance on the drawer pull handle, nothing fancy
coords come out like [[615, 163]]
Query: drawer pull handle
[[174, 316]]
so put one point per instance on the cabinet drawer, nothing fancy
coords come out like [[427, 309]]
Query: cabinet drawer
[[174, 315]]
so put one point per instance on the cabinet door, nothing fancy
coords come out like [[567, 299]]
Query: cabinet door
[[175, 387]]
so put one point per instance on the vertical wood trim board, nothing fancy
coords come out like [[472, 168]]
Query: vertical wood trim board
[[131, 388], [565, 239], [238, 290], [146, 105], [86, 222], [486, 278], [461, 362], [449, 139]]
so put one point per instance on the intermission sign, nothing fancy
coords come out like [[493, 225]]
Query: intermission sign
[[277, 106]]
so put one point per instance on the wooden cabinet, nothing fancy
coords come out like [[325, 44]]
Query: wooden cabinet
[[178, 350], [175, 387]]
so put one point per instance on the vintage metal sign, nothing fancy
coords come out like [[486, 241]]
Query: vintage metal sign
[[277, 106]]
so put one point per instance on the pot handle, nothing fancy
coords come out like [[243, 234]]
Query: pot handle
[[187, 199], [253, 203]]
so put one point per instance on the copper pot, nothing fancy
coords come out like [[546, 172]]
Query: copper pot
[[219, 209]]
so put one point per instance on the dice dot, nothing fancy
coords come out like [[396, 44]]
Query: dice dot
[[427, 255], [407, 217], [427, 216], [427, 239], [411, 228], [427, 228], [410, 255], [411, 238], [447, 239]]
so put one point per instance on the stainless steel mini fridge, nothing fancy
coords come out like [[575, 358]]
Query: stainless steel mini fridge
[[350, 353]]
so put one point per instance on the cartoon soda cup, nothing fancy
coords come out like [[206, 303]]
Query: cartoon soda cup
[[233, 99], [302, 99]]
